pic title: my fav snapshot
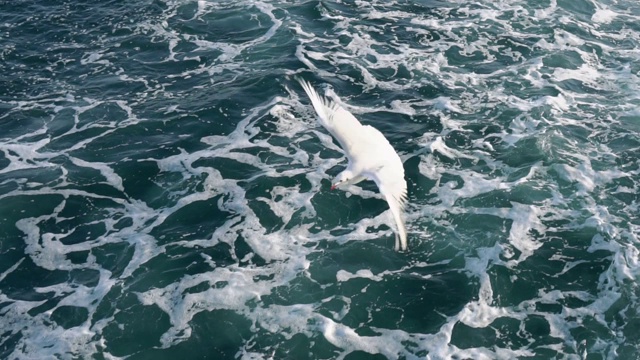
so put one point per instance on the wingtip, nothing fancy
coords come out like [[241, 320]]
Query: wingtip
[[305, 85], [397, 205], [401, 244], [402, 234]]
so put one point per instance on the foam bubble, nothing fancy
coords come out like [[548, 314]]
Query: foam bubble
[[343, 275], [603, 16]]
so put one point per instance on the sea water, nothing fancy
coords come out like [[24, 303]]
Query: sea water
[[164, 184]]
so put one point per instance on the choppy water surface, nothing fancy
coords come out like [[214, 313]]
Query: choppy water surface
[[164, 186]]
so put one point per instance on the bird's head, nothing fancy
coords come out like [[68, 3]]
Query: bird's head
[[342, 179]]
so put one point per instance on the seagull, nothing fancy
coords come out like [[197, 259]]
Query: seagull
[[370, 155]]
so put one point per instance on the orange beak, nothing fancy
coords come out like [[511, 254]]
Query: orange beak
[[333, 187]]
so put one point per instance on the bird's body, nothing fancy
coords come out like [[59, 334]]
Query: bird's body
[[370, 155]]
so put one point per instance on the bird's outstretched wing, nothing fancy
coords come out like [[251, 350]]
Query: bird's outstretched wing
[[393, 187], [370, 155], [333, 117]]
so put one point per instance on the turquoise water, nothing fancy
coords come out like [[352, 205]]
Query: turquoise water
[[164, 185]]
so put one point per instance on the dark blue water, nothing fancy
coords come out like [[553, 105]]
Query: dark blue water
[[164, 185]]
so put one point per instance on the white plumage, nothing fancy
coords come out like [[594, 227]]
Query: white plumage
[[370, 155]]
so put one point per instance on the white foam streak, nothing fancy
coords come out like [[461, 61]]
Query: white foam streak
[[586, 177], [291, 199], [347, 339], [481, 313], [343, 275], [10, 269], [231, 287], [525, 219], [112, 178], [232, 51], [24, 156]]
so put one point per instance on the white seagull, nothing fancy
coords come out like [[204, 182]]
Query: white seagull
[[370, 155]]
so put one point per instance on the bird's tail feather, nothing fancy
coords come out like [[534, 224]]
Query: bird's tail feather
[[401, 234]]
